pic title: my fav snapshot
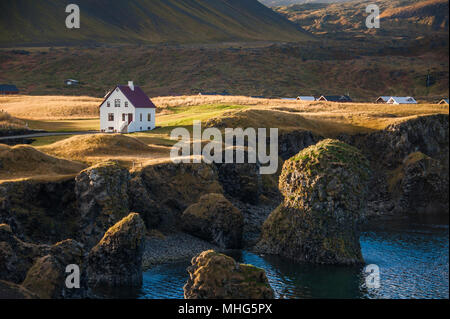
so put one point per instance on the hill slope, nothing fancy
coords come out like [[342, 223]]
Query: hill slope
[[406, 19], [143, 21]]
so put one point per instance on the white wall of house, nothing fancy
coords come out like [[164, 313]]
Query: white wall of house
[[121, 115], [144, 120]]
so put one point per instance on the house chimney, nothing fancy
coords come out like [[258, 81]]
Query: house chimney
[[131, 85]]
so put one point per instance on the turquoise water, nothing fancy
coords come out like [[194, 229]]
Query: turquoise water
[[412, 255]]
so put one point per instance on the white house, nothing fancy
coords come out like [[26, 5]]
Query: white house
[[127, 109], [306, 98], [401, 100], [383, 99]]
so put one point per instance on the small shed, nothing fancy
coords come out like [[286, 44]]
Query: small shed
[[383, 99], [444, 101], [401, 100], [8, 89], [306, 98], [71, 82], [335, 98]]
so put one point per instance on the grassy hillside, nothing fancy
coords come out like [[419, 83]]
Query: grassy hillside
[[143, 21], [272, 71], [400, 19]]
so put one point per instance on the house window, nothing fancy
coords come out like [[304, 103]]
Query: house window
[[111, 117], [140, 116], [117, 103], [108, 104], [110, 128], [149, 117], [126, 104], [123, 117]]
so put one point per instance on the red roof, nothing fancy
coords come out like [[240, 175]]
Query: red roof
[[137, 97]]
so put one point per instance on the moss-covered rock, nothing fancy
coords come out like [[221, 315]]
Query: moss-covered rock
[[47, 277], [216, 220], [102, 196], [420, 185], [40, 211], [16, 256], [324, 189], [169, 189], [116, 261], [217, 276], [9, 290]]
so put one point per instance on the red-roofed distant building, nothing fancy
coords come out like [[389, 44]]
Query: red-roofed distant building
[[127, 109]]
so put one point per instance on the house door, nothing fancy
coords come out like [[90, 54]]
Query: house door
[[130, 118]]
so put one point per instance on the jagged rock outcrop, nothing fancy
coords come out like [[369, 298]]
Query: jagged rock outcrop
[[324, 189], [173, 187], [215, 219], [39, 268], [102, 197], [141, 201], [240, 180], [293, 142], [10, 290], [389, 147], [388, 150], [217, 276], [16, 256], [419, 185], [116, 261], [38, 211], [47, 277]]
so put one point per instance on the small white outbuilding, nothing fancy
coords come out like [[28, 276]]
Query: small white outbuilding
[[306, 98], [127, 109], [401, 100]]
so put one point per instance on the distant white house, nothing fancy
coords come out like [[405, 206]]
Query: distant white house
[[127, 109], [71, 82], [401, 100], [306, 98], [444, 101], [383, 99]]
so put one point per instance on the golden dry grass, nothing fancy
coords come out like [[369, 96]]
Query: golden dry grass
[[50, 107], [8, 122], [326, 119], [103, 147], [24, 162]]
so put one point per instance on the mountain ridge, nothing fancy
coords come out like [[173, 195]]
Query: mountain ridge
[[145, 21]]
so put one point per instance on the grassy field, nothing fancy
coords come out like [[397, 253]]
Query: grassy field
[[143, 148]]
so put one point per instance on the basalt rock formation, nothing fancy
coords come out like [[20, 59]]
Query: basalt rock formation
[[403, 181], [16, 256], [47, 277], [39, 212], [9, 290], [291, 143], [116, 261], [217, 276], [324, 189], [171, 188], [102, 197], [216, 220]]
